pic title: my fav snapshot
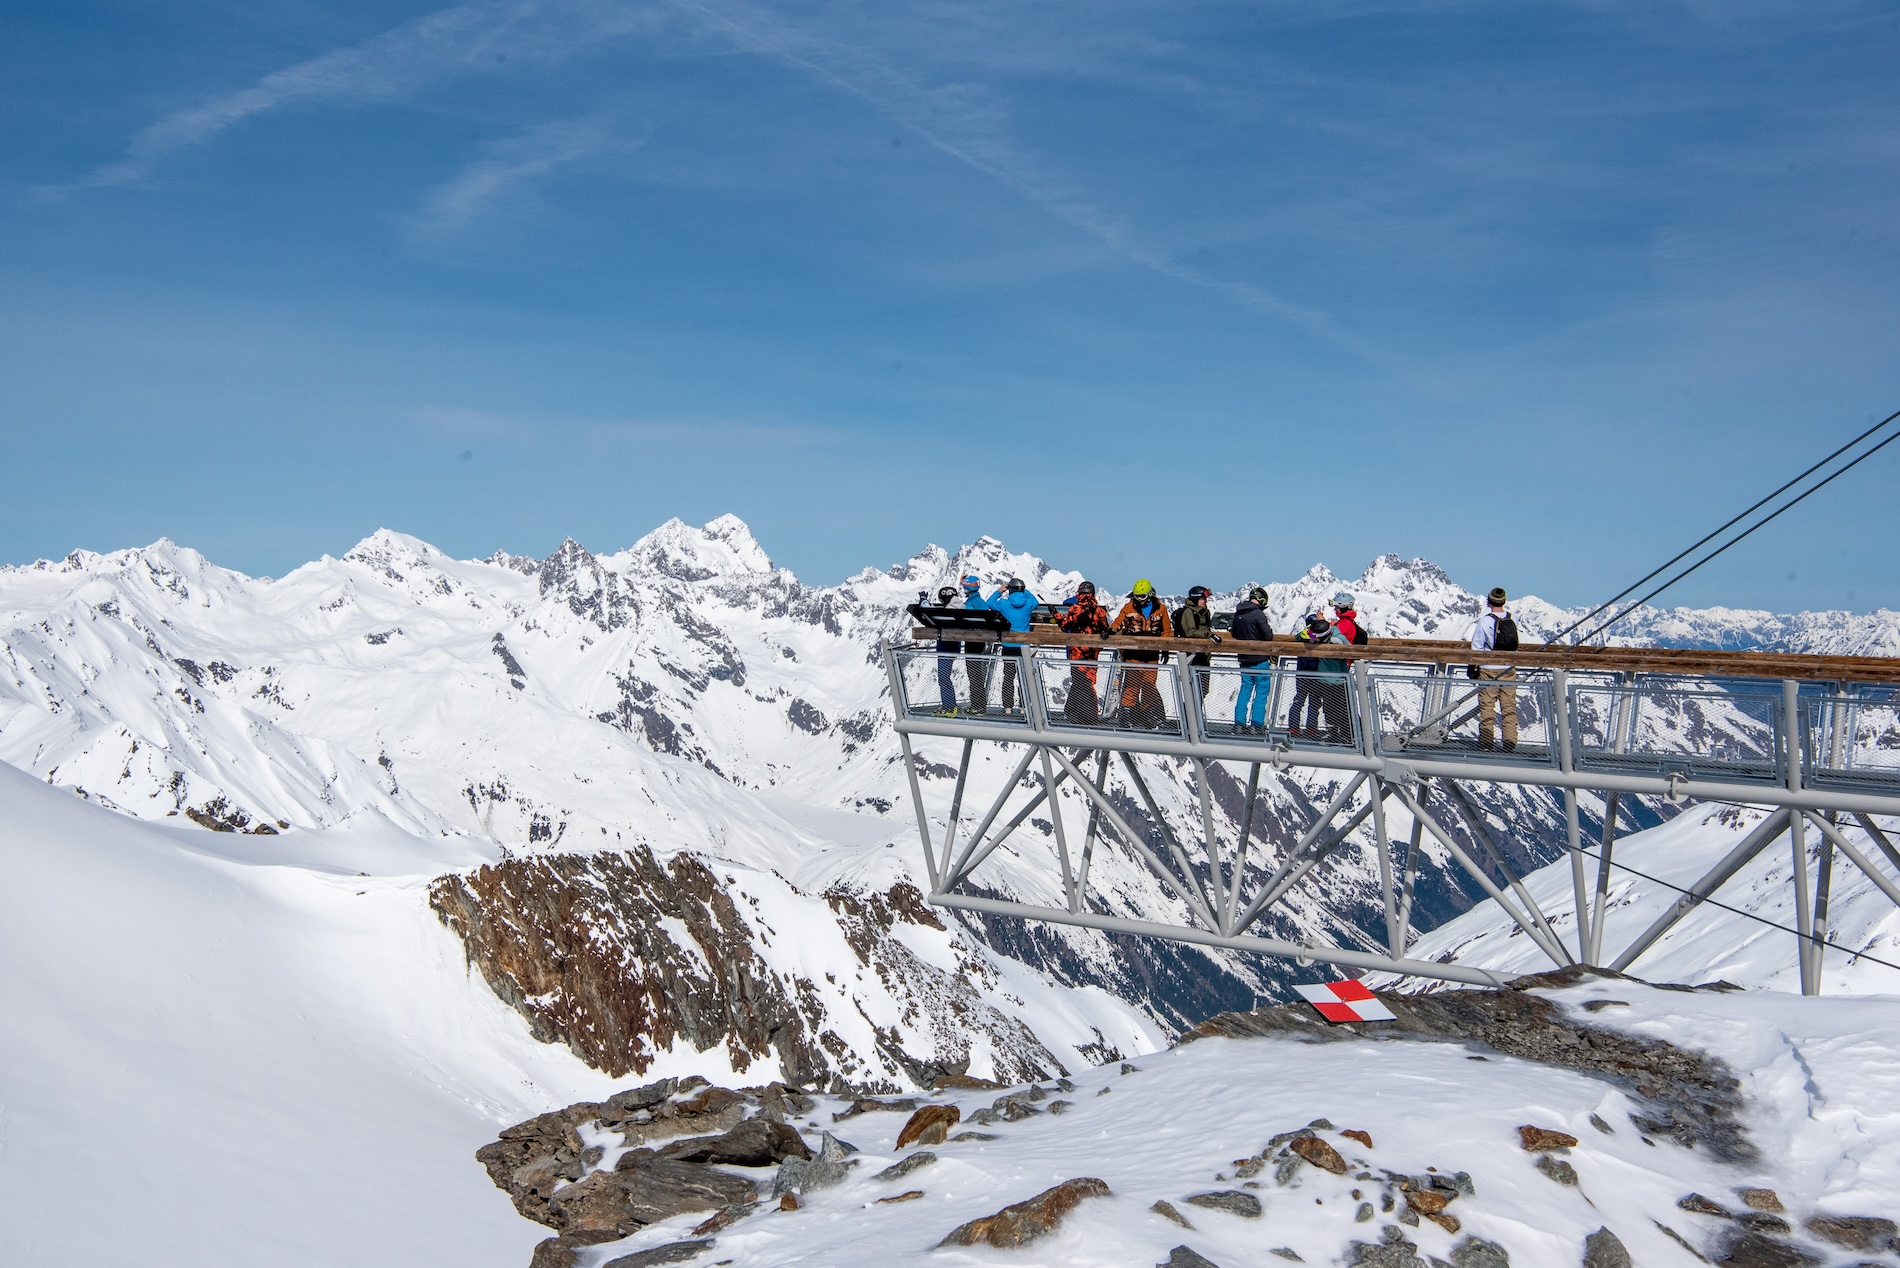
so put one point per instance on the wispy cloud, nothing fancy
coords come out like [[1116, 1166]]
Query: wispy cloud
[[508, 164], [965, 122], [465, 39]]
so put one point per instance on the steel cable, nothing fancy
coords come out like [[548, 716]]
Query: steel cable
[[1586, 617]]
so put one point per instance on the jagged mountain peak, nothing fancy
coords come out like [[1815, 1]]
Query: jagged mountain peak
[[721, 548]]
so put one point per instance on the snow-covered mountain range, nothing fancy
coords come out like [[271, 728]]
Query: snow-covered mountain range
[[684, 705]]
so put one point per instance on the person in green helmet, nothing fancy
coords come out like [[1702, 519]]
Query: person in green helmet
[[1144, 615]]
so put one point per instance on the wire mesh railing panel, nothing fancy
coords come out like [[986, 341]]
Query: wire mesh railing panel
[[1853, 741], [1670, 728], [1276, 705], [1109, 694], [1451, 715], [978, 687]]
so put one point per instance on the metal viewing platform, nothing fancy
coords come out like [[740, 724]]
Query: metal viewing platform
[[1815, 740]]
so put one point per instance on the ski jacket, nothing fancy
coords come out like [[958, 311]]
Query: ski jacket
[[1348, 624], [1151, 621], [1326, 665], [1251, 625], [1016, 608], [1193, 622], [1084, 616]]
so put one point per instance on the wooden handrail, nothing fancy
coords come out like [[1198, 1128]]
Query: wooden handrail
[[1653, 660]]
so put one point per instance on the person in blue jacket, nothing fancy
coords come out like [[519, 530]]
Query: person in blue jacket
[[1017, 605], [976, 665]]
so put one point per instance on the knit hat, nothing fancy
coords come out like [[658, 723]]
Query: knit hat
[[1497, 596]]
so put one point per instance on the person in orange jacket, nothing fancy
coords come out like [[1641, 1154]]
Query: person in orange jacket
[[1144, 615]]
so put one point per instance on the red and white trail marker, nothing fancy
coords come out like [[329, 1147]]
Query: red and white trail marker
[[1345, 1001]]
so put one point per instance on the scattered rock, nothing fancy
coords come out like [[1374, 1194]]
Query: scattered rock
[[724, 1218], [871, 1105], [1320, 1125], [1604, 1249], [1475, 1252], [1598, 1123], [904, 1166], [1248, 1168], [1855, 1232], [1024, 1222], [1536, 1140], [930, 1125], [1762, 1222], [1319, 1153], [1364, 1214], [1236, 1201], [1394, 1251], [907, 1196], [824, 1169], [788, 1202], [756, 1142], [1287, 1252], [964, 1082], [1557, 1169], [1598, 1005], [1749, 1249], [1363, 1137], [1447, 1221], [1703, 1206], [1103, 1091], [1165, 1209], [960, 1136], [1184, 1257], [1679, 1240], [671, 1253], [1056, 1107], [1130, 1069], [1761, 1200], [564, 1251], [1427, 1201]]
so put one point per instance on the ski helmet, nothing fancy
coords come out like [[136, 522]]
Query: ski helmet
[[1016, 585], [1087, 587], [1258, 594], [1198, 592], [1142, 590], [946, 594]]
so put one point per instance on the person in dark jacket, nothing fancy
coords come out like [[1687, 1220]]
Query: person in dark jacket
[[1256, 677], [1335, 699], [1303, 720], [1193, 620], [1083, 615], [947, 651]]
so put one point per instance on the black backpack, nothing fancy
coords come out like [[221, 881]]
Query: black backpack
[[1506, 640], [1360, 636]]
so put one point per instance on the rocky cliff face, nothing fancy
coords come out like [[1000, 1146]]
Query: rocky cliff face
[[621, 956]]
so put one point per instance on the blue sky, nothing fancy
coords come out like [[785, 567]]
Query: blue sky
[[1198, 292]]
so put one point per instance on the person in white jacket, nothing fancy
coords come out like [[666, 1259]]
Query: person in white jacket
[[1500, 699]]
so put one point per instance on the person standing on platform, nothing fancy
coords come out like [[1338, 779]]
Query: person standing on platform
[[1143, 616], [1193, 620], [1306, 681], [977, 654], [946, 658], [1083, 615], [1017, 605], [1496, 631], [1251, 625], [1335, 694]]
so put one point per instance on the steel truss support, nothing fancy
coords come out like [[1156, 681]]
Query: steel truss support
[[1226, 890]]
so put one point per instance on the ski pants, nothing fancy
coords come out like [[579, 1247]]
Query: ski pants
[[1306, 696], [1497, 699], [1256, 685], [1334, 702], [1012, 661]]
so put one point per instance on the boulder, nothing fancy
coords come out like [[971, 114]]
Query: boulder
[[1602, 1249], [1855, 1232], [1539, 1140], [625, 1104], [756, 1142], [971, 1136], [597, 1204], [964, 1082], [1363, 1137], [671, 1253], [1165, 1209], [1761, 1200], [1319, 1153], [1237, 1201], [1025, 1222], [904, 1166], [1427, 1201], [822, 1170], [1557, 1169], [1749, 1249], [1703, 1206], [564, 1251], [1475, 1252], [725, 1217], [930, 1125], [1392, 1251], [658, 1188], [1186, 1257]]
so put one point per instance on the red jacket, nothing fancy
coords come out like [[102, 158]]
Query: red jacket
[[1086, 616]]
